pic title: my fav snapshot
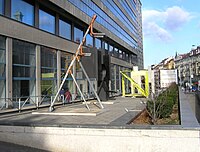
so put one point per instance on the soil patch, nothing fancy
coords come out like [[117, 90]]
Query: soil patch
[[143, 118]]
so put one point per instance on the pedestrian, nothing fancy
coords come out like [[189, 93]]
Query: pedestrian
[[62, 94], [68, 96]]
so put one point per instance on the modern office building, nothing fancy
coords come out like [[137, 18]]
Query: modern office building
[[39, 37]]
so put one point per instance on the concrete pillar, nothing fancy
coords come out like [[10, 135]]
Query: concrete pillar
[[7, 10], [38, 72], [36, 14], [58, 69], [9, 50], [115, 71], [72, 32], [57, 24]]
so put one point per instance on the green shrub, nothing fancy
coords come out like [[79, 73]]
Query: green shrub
[[164, 102]]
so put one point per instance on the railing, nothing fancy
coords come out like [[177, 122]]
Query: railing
[[19, 103]]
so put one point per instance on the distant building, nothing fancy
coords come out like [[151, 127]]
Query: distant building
[[162, 75], [188, 66]]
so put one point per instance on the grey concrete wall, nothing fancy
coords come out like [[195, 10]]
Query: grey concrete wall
[[120, 62], [14, 29], [102, 140]]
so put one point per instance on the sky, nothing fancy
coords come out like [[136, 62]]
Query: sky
[[169, 26]]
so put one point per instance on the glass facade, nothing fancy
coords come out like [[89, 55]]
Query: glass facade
[[106, 46], [89, 41], [111, 49], [65, 62], [51, 20], [2, 69], [46, 21], [1, 6], [129, 10], [22, 11], [78, 34], [23, 69], [110, 4], [90, 8], [97, 43], [116, 52], [48, 71], [120, 54], [64, 29]]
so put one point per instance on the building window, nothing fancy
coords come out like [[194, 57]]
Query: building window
[[22, 12], [46, 21], [106, 46], [1, 6], [127, 57], [123, 55], [66, 59], [48, 71], [111, 50], [23, 69], [97, 43], [116, 52], [120, 54], [89, 40], [78, 35], [65, 29], [2, 70]]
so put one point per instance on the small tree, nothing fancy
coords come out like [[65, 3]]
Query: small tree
[[161, 106]]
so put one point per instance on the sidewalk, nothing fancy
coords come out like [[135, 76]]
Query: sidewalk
[[9, 147], [188, 118], [77, 114]]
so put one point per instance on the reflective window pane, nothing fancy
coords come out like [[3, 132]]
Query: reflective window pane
[[22, 11], [1, 6], [23, 69], [2, 57], [65, 62], [120, 54], [2, 70], [78, 35], [111, 49], [64, 29], [23, 59], [97, 43], [48, 71], [89, 40], [46, 21], [106, 46], [116, 53]]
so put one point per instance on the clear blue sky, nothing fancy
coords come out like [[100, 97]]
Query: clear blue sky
[[169, 26]]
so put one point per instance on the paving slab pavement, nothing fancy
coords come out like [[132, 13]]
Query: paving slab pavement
[[119, 113]]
